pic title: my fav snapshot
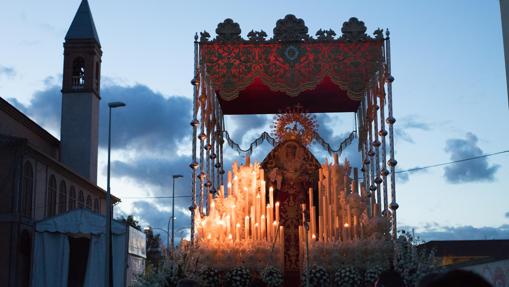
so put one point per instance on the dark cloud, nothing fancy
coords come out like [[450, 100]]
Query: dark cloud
[[7, 72], [44, 108], [152, 215], [155, 171], [405, 124], [245, 123], [437, 232], [507, 214], [468, 171], [149, 121]]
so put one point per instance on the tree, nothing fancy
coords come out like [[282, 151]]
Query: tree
[[154, 254], [130, 221]]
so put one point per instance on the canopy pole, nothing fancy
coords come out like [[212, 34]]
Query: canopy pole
[[194, 124], [390, 121], [383, 133], [371, 154], [203, 137], [208, 147], [376, 144]]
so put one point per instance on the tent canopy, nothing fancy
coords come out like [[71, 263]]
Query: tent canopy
[[262, 76], [78, 221], [52, 249]]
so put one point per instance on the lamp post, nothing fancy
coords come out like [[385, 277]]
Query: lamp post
[[175, 176], [108, 247]]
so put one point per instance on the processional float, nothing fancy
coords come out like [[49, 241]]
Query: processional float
[[291, 197]]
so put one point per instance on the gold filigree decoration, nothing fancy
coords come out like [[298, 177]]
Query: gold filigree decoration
[[294, 124]]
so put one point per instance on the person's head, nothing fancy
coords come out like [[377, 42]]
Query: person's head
[[390, 278], [456, 278]]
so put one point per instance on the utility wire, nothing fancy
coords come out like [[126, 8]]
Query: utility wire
[[140, 197], [452, 162]]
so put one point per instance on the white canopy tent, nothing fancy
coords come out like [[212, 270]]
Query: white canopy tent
[[52, 251]]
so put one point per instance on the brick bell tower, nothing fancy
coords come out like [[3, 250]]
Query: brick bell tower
[[81, 95]]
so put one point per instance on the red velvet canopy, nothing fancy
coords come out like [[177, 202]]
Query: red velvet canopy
[[260, 76], [258, 98]]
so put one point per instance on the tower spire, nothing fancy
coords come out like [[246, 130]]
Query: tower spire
[[82, 26]]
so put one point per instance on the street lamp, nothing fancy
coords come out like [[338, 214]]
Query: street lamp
[[175, 176], [108, 247]]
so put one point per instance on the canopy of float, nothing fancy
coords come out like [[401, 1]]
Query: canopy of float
[[264, 76]]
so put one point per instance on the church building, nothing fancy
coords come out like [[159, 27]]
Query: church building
[[42, 177]]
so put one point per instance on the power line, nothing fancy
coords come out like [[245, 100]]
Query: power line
[[140, 197], [452, 162]]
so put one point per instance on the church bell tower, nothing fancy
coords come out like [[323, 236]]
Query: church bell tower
[[81, 95]]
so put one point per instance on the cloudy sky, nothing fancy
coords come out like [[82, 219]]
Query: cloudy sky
[[450, 97]]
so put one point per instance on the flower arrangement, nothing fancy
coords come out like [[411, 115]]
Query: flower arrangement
[[209, 277], [318, 276], [272, 276], [359, 253], [372, 274], [347, 276], [238, 277], [411, 263]]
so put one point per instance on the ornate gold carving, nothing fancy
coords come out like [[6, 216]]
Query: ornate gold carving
[[295, 124]]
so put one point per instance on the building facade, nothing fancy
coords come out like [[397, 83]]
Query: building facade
[[41, 176]]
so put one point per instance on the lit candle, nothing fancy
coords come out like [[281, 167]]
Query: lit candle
[[320, 227], [257, 205], [271, 197], [229, 182], [313, 219], [235, 185], [262, 229], [257, 231], [245, 195], [212, 208], [277, 211], [246, 228], [310, 193], [263, 195], [252, 218], [237, 232], [269, 221]]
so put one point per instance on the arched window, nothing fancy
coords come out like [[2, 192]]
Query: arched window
[[72, 198], [27, 189], [51, 200], [89, 202], [78, 73], [62, 198], [96, 205], [81, 200]]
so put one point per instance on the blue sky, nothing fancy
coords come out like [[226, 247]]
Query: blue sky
[[450, 97]]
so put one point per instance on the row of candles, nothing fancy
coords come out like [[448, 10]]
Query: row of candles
[[339, 206], [243, 213]]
